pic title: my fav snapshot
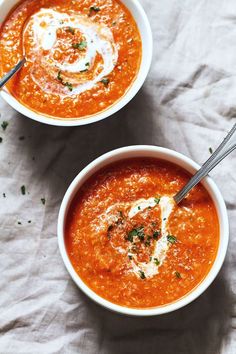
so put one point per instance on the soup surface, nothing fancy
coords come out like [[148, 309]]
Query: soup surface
[[131, 244], [82, 56]]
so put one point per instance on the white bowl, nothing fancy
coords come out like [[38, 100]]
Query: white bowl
[[146, 35], [167, 155]]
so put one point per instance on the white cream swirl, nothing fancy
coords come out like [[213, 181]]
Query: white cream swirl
[[162, 245], [85, 71]]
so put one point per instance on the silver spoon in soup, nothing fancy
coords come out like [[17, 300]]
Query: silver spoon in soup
[[224, 149], [11, 73]]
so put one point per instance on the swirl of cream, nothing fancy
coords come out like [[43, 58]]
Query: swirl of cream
[[40, 42]]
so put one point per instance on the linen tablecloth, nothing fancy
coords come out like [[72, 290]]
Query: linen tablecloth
[[188, 103]]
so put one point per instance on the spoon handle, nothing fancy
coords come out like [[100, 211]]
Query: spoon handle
[[224, 149], [12, 72]]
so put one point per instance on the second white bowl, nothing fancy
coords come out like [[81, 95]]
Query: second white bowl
[[147, 46], [159, 153]]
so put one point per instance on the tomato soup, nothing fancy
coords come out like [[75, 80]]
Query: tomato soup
[[82, 56], [131, 244]]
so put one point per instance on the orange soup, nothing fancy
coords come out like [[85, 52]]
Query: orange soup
[[82, 56], [129, 241]]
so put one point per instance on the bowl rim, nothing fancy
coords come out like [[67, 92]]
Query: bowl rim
[[135, 86], [177, 158]]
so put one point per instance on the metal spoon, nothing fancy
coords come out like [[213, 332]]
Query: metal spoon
[[225, 148], [12, 72]]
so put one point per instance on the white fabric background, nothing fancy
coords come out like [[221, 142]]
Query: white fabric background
[[188, 103]]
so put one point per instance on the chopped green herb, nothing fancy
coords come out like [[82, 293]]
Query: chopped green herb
[[156, 261], [59, 76], [178, 275], [87, 64], [19, 223], [149, 208], [157, 200], [156, 234], [4, 195], [114, 23], [69, 85], [61, 22], [139, 208], [71, 30], [0, 140], [4, 125], [83, 71], [142, 274], [140, 233], [130, 257], [43, 200], [93, 9], [22, 190], [81, 45], [164, 219], [210, 150], [136, 232], [21, 138], [172, 239], [131, 235], [105, 81]]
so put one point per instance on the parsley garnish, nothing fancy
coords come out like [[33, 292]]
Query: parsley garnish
[[156, 261], [4, 125], [156, 234], [142, 274], [157, 200], [22, 188], [59, 76], [210, 150], [178, 275], [43, 200], [83, 71], [81, 45], [105, 81], [139, 208], [113, 23], [93, 9], [71, 30], [136, 232], [172, 239], [87, 64], [67, 84], [130, 257]]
